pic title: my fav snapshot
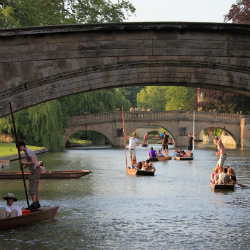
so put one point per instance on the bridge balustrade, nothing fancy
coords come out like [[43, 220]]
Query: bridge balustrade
[[154, 115]]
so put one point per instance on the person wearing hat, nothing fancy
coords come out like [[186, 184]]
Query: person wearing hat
[[11, 209], [222, 152], [35, 172]]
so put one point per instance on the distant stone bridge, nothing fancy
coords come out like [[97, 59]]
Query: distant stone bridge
[[177, 123]]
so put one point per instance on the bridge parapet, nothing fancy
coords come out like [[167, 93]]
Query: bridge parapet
[[153, 116]]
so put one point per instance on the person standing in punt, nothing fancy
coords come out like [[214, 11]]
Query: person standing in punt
[[222, 151], [165, 143], [190, 144], [133, 143], [35, 172], [145, 138], [10, 209]]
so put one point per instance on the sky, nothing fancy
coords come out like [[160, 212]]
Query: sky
[[180, 10]]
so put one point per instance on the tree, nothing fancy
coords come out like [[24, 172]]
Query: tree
[[131, 94], [152, 97], [21, 13], [224, 101], [184, 97], [43, 124], [239, 12]]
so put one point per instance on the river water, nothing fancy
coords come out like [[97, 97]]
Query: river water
[[108, 209]]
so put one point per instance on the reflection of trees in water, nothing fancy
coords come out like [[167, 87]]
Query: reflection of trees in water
[[212, 132]]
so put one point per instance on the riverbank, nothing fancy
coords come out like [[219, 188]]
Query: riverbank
[[8, 151]]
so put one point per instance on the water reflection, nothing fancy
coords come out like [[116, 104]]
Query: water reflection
[[175, 209]]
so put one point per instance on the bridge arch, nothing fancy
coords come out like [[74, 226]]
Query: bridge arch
[[235, 137], [39, 64], [178, 123]]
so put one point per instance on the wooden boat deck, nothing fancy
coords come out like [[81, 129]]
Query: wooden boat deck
[[222, 187], [140, 172], [47, 175], [161, 158], [184, 158], [43, 213]]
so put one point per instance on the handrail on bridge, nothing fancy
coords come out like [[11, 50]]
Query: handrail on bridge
[[155, 115]]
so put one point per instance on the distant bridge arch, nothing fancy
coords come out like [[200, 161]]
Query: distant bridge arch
[[38, 64]]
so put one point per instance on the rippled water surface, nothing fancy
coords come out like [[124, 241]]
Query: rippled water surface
[[108, 209]]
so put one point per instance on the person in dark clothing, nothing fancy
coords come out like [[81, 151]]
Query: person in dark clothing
[[190, 144], [165, 143]]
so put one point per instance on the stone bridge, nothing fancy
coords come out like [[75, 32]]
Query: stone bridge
[[38, 64], [177, 123]]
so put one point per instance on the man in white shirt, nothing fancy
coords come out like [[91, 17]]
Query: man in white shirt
[[133, 143], [10, 210]]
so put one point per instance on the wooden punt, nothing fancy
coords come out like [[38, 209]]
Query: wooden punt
[[140, 172], [4, 163], [164, 158], [222, 187], [184, 158], [144, 144], [47, 175], [43, 213]]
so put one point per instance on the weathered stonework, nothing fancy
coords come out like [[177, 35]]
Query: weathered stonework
[[178, 123], [39, 64]]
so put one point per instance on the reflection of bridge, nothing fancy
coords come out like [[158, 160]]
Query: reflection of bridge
[[178, 123]]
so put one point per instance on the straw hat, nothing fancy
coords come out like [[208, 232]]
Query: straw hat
[[10, 195]]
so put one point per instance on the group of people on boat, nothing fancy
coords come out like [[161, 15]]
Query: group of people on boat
[[154, 154], [142, 165], [35, 167], [222, 175], [180, 153]]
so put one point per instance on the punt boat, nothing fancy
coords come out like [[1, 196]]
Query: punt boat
[[35, 215], [47, 175], [164, 158], [217, 187], [144, 144], [140, 172], [184, 158]]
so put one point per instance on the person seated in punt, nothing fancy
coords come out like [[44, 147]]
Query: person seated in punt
[[224, 177], [41, 166], [215, 176], [139, 165], [148, 166], [214, 173], [231, 173], [133, 163], [177, 153], [10, 209], [159, 154], [152, 153]]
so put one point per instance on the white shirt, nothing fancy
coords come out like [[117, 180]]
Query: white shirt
[[13, 206], [132, 142]]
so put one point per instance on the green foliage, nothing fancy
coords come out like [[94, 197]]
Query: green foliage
[[20, 13], [10, 148], [99, 101], [39, 125], [131, 94], [152, 97], [184, 97]]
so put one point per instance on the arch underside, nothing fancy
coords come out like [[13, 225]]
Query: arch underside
[[229, 131], [72, 130], [38, 64], [151, 73]]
